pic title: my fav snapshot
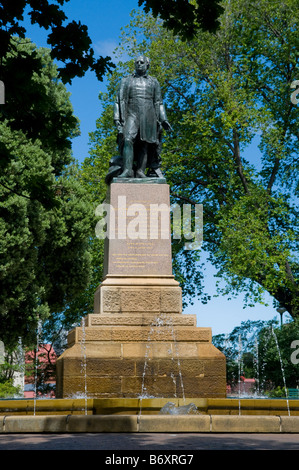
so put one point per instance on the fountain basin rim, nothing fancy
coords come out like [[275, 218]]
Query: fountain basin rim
[[133, 406], [149, 424]]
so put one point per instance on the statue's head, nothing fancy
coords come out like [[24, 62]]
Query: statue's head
[[141, 64]]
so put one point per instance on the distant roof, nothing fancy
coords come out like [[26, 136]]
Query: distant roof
[[44, 350]]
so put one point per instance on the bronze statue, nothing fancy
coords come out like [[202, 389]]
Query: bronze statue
[[139, 116]]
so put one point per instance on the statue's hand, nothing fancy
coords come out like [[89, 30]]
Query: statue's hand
[[166, 126], [119, 126]]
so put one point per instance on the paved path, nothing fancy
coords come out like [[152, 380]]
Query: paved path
[[153, 442]]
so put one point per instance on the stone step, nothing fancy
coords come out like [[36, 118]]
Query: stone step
[[142, 333], [140, 320], [141, 350]]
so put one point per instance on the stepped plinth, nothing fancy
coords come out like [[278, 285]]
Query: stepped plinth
[[137, 340]]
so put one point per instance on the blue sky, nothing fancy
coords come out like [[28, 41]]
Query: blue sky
[[104, 20]]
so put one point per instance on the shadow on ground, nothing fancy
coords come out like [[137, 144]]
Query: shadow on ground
[[146, 441]]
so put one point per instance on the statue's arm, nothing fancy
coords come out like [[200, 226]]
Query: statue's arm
[[161, 111], [117, 117], [117, 110]]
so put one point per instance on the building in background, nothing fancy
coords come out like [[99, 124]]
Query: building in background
[[40, 375]]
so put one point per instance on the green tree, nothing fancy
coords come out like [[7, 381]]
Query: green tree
[[185, 17], [10, 364], [45, 211], [261, 350], [69, 42], [92, 179], [240, 348], [224, 91], [276, 368]]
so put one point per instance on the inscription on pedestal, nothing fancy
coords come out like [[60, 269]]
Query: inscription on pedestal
[[141, 241]]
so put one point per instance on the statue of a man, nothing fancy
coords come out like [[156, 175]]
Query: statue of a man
[[139, 116]]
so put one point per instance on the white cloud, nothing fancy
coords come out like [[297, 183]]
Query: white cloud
[[106, 47]]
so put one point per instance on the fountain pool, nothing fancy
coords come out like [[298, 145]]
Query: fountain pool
[[123, 415]]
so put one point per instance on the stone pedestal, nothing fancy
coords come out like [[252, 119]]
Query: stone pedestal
[[137, 341]]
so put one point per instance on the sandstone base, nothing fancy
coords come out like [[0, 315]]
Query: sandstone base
[[132, 295], [137, 342], [156, 355]]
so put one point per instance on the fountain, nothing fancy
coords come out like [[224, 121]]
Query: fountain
[[239, 371], [256, 364], [126, 349], [185, 414], [137, 325], [84, 363], [163, 321], [38, 333], [171, 409], [282, 370], [160, 345]]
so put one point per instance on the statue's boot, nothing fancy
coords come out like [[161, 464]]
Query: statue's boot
[[126, 174], [128, 156], [140, 174], [159, 173]]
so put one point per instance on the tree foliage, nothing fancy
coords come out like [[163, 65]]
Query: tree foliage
[[185, 17], [69, 42], [92, 175], [44, 210], [224, 92]]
